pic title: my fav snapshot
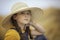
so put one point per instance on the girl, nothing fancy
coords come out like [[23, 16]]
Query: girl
[[23, 26]]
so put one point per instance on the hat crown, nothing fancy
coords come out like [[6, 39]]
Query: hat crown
[[18, 6]]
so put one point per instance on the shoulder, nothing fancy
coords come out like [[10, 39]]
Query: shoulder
[[11, 32]]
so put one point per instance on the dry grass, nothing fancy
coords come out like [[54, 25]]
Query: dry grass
[[52, 23]]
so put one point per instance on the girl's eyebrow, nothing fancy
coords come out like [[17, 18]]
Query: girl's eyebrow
[[29, 11]]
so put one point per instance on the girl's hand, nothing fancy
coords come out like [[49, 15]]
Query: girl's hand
[[37, 27], [33, 24], [30, 23]]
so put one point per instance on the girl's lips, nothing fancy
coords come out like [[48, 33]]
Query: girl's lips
[[25, 19]]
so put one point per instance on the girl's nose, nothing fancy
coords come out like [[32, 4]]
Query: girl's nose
[[26, 15]]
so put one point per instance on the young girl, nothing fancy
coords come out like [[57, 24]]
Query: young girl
[[23, 26]]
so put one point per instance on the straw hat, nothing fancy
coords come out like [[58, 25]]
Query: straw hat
[[18, 7]]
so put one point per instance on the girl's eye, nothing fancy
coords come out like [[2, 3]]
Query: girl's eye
[[28, 13], [25, 13], [22, 13]]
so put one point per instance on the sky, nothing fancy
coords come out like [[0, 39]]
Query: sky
[[5, 5]]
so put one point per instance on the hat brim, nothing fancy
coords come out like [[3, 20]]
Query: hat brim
[[36, 12]]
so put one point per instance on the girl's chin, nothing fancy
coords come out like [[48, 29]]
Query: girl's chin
[[26, 22]]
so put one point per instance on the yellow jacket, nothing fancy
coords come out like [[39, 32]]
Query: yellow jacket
[[12, 34]]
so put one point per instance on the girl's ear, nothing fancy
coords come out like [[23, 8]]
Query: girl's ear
[[15, 17]]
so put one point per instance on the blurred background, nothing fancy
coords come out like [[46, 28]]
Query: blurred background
[[50, 20], [5, 5]]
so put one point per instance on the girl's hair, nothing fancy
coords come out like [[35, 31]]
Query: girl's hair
[[14, 23]]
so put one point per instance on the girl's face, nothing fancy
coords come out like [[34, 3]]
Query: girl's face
[[23, 17]]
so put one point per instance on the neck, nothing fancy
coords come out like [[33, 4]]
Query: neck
[[21, 25]]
